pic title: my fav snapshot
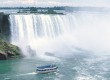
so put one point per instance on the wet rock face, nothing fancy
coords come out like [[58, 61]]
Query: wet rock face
[[8, 50], [4, 26], [3, 56]]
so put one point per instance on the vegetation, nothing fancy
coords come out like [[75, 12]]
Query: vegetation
[[8, 50]]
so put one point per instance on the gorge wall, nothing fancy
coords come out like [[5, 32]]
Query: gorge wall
[[4, 27], [7, 50]]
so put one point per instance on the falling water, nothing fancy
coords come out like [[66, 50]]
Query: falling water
[[40, 32], [61, 34]]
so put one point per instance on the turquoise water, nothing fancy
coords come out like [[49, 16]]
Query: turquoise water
[[71, 39], [76, 67]]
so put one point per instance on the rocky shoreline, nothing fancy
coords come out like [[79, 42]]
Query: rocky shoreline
[[8, 51]]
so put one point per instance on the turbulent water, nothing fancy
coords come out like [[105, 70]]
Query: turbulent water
[[42, 33], [78, 43], [88, 31], [79, 67]]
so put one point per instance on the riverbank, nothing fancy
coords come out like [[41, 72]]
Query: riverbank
[[8, 51]]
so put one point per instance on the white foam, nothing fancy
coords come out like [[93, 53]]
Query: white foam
[[26, 74], [60, 34]]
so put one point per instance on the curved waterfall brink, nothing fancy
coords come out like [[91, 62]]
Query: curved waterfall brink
[[61, 34]]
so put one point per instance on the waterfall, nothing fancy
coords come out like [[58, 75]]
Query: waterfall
[[60, 33], [40, 32]]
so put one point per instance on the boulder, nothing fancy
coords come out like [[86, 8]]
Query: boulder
[[9, 53]]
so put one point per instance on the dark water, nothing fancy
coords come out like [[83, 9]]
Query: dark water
[[76, 67]]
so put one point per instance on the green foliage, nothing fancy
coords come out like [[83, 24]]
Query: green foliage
[[7, 47]]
